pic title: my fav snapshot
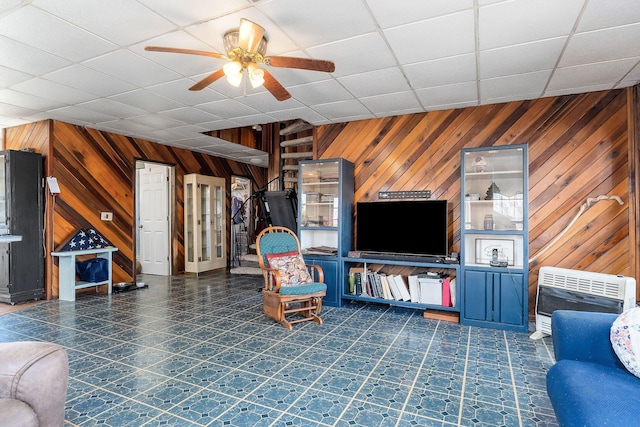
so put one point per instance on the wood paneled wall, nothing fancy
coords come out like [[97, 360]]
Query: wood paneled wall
[[96, 172], [578, 149]]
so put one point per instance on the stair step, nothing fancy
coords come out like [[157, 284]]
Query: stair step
[[297, 142], [290, 179], [253, 271], [290, 168], [297, 126], [298, 155], [250, 258]]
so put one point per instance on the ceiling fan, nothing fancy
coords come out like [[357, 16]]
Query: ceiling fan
[[246, 47]]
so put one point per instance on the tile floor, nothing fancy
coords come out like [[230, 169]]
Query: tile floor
[[198, 351]]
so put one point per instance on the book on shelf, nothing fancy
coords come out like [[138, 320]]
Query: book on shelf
[[402, 287], [446, 292], [452, 289], [414, 288], [386, 290]]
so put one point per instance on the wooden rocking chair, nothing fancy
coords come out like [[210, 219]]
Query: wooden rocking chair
[[290, 286]]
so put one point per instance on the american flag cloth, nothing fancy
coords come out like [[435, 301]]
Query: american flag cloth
[[85, 239], [98, 239]]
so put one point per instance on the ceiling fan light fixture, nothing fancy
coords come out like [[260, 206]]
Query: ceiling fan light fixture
[[256, 75], [233, 71]]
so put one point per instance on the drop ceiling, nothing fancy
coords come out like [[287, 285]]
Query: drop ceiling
[[83, 61]]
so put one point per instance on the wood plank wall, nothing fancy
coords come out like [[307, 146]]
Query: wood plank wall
[[95, 171], [577, 150]]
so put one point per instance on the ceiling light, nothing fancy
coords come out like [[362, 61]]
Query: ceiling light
[[233, 71], [256, 75]]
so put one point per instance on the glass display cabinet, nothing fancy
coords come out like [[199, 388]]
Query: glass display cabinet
[[494, 236], [204, 223], [325, 217]]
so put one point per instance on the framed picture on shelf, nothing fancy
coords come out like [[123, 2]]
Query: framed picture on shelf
[[485, 247]]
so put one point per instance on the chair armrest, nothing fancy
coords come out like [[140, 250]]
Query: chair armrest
[[316, 272], [272, 281], [36, 373], [583, 336]]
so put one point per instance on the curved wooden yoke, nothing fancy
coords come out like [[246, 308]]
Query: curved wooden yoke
[[290, 286]]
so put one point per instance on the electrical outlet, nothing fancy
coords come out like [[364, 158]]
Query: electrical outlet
[[106, 216]]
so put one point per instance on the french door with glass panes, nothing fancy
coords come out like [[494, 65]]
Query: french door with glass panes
[[204, 223]]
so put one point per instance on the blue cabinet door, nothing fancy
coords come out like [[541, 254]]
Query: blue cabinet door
[[477, 296], [330, 270], [495, 297]]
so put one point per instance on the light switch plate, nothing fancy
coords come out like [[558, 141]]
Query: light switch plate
[[106, 216]]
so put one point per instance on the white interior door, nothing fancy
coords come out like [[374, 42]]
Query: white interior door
[[153, 228]]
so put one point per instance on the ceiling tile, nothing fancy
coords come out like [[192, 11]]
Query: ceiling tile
[[190, 115], [227, 108], [9, 77], [72, 114], [6, 5], [52, 90], [52, 35], [112, 108], [28, 59], [88, 80], [514, 86], [390, 14], [178, 90], [440, 72], [187, 12], [596, 46], [184, 64], [391, 102], [26, 100], [342, 54], [157, 121], [148, 101], [602, 73], [521, 58], [377, 82], [435, 38], [340, 110], [115, 20], [265, 102], [129, 67], [601, 14], [316, 93], [450, 94], [318, 22], [522, 21]]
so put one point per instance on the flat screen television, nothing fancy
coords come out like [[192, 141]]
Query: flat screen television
[[405, 227]]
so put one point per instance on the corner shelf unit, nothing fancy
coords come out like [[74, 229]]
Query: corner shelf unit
[[453, 270]]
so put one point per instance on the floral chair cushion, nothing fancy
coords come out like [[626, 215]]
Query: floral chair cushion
[[291, 266]]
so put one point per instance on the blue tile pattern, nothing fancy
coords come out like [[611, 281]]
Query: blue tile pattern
[[198, 351]]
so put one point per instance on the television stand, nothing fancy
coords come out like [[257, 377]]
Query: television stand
[[403, 265]]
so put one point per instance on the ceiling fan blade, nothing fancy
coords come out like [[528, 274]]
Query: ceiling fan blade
[[301, 63], [250, 35], [208, 80], [275, 88], [187, 51]]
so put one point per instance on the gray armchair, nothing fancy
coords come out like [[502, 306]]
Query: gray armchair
[[33, 384]]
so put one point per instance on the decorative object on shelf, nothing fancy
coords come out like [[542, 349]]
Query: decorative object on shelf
[[492, 191], [488, 222], [479, 164], [485, 248], [84, 239]]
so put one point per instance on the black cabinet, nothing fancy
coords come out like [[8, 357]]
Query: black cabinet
[[21, 214]]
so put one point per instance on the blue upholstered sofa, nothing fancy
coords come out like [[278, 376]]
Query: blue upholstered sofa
[[588, 385]]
